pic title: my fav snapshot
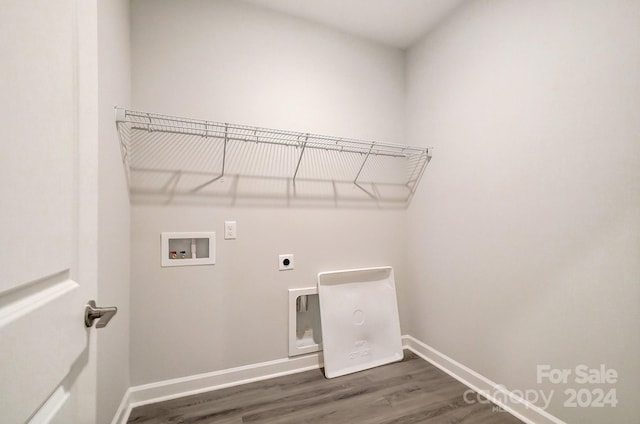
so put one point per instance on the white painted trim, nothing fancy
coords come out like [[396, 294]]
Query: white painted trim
[[200, 383], [51, 407], [124, 409], [520, 408]]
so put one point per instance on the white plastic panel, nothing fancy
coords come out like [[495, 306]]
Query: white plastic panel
[[359, 318]]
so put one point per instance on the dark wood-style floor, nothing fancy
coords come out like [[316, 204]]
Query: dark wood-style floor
[[411, 391]]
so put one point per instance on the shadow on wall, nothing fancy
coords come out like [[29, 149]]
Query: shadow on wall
[[172, 160]]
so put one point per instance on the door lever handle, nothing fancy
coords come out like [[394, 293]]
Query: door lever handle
[[93, 313]]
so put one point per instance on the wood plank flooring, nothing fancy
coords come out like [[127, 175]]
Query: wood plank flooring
[[407, 392]]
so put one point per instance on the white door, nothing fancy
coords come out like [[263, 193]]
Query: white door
[[48, 139]]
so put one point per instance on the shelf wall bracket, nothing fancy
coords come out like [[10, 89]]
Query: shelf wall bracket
[[224, 159], [418, 171], [224, 148], [364, 162], [304, 146], [121, 117]]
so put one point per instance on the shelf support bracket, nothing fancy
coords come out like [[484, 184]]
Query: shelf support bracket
[[224, 148], [224, 160], [416, 174], [304, 146], [364, 162], [124, 146]]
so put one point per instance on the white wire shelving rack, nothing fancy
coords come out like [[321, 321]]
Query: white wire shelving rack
[[163, 153]]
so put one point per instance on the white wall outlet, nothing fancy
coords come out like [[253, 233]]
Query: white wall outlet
[[285, 262], [230, 230]]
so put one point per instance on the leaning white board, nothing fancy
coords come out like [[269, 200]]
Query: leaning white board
[[359, 319]]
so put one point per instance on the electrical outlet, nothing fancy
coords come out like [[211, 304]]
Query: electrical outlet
[[230, 230], [285, 262]]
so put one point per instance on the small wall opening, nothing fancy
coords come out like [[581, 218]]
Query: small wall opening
[[305, 332]]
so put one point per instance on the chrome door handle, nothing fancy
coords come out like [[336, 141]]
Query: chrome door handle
[[93, 313]]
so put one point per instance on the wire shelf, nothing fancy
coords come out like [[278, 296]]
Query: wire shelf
[[180, 156]]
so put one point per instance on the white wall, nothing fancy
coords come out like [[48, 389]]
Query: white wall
[[114, 211], [232, 62], [524, 240]]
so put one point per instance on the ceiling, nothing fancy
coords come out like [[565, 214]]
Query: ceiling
[[397, 23]]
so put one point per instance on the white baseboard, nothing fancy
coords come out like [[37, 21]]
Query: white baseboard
[[124, 409], [518, 407], [185, 386], [200, 383]]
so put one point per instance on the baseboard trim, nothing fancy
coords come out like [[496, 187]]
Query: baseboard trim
[[518, 407], [191, 385], [124, 409], [200, 383]]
